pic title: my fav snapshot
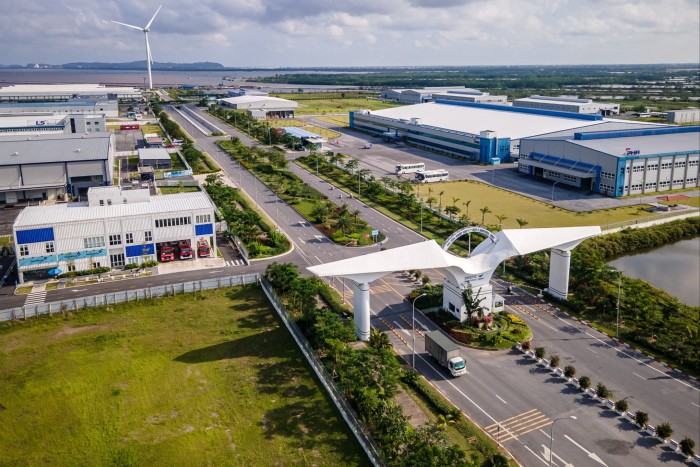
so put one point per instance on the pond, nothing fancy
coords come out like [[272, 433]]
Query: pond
[[674, 268]]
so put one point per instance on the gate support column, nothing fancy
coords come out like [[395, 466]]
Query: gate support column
[[360, 301], [559, 263]]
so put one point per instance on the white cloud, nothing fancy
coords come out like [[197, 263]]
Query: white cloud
[[355, 32]]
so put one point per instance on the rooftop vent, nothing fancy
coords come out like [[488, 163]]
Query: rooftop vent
[[15, 153]]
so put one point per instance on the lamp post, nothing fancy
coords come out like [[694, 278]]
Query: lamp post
[[421, 216], [553, 185], [551, 435], [414, 329]]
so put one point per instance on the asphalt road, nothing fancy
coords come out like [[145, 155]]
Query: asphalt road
[[502, 389]]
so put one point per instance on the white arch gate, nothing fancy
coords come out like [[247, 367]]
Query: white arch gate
[[476, 269]]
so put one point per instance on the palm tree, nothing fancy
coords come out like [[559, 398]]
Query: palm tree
[[501, 218], [355, 214], [466, 205], [344, 222], [452, 210], [378, 339], [454, 201], [440, 205], [485, 210], [521, 222], [351, 165], [431, 200]]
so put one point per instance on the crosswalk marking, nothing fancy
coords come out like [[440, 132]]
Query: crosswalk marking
[[35, 298], [513, 427], [235, 262]]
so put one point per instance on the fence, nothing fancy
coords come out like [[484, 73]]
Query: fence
[[111, 298], [319, 368]]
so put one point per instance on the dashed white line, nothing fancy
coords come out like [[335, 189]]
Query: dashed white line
[[639, 376], [591, 350], [500, 399], [696, 405]]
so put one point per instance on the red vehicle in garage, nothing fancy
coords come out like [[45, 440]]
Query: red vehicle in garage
[[203, 250], [167, 253], [185, 250]]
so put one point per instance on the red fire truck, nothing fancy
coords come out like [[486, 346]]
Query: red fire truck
[[185, 250], [203, 249], [167, 253]]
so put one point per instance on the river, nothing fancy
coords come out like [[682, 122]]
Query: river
[[674, 268]]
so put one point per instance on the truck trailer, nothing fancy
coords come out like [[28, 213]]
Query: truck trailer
[[446, 352]]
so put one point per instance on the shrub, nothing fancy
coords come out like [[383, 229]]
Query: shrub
[[622, 405], [539, 352], [554, 361], [584, 382], [569, 371], [664, 430], [131, 266], [602, 391], [150, 263], [641, 418], [526, 345], [687, 447]]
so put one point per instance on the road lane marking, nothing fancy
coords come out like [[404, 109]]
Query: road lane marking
[[696, 405], [591, 350], [640, 376], [590, 454], [544, 461], [500, 399]]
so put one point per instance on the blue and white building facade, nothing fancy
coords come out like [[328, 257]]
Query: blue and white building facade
[[114, 228], [615, 159]]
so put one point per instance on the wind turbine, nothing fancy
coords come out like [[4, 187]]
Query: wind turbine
[[149, 59]]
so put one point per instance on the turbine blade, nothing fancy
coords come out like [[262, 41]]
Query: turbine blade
[[154, 17], [128, 25]]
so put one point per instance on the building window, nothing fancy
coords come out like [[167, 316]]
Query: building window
[[115, 239], [70, 267], [49, 247], [109, 202], [148, 236], [129, 238], [94, 242], [203, 219], [102, 202], [24, 250]]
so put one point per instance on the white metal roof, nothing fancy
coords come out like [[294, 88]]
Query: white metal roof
[[258, 101], [428, 254], [47, 148], [153, 154], [38, 216], [80, 89], [646, 145], [473, 120]]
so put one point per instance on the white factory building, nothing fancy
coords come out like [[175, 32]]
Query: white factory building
[[113, 228], [66, 92], [419, 96], [261, 107], [52, 166], [471, 95], [52, 123], [616, 161], [568, 104], [73, 106], [487, 133], [684, 116]]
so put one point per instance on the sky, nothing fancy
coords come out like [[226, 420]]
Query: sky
[[303, 33]]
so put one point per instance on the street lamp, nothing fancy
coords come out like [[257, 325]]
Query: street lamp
[[414, 328], [553, 185], [551, 434]]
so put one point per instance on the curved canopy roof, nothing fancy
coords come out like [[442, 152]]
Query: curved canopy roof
[[429, 255]]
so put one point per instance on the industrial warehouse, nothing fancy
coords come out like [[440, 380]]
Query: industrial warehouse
[[588, 151], [54, 166], [115, 227]]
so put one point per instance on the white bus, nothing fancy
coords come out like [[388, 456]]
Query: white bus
[[432, 176], [409, 168]]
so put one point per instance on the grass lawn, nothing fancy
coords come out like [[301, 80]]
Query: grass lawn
[[326, 133], [5, 240], [336, 119], [197, 379], [335, 106], [152, 129], [515, 206], [169, 190]]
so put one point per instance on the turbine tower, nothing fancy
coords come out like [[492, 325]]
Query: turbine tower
[[149, 59]]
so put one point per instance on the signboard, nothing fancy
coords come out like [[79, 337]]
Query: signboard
[[37, 260], [81, 254], [375, 233], [177, 173]]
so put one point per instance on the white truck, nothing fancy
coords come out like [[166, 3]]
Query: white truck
[[446, 352]]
